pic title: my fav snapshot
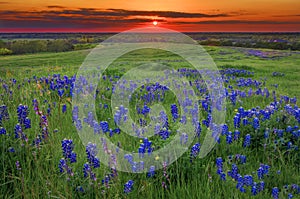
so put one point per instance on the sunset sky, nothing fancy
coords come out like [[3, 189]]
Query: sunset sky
[[120, 15]]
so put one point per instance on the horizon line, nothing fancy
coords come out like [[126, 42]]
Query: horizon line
[[114, 32]]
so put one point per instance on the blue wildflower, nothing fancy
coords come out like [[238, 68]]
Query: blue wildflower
[[219, 163], [2, 131], [64, 108], [247, 140], [260, 173], [229, 138], [174, 112], [27, 123], [261, 186], [275, 193], [255, 123], [195, 150], [60, 92], [254, 189], [242, 159], [128, 186], [236, 135], [91, 152], [248, 180], [67, 148], [104, 126], [151, 172]]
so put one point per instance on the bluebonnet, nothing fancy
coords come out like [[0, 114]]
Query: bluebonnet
[[224, 129], [104, 126], [174, 112], [236, 120], [275, 193], [96, 127], [255, 123], [164, 120], [248, 180], [164, 133], [254, 190], [106, 180], [289, 145], [63, 167], [11, 149], [27, 123], [145, 110], [19, 133], [242, 189], [240, 181], [247, 140], [245, 121], [261, 186], [3, 113], [80, 189], [60, 92], [156, 128], [242, 159], [49, 111], [64, 108], [234, 172], [146, 146], [289, 129], [91, 152], [87, 171], [37, 141], [260, 173], [198, 129], [266, 169], [229, 138], [232, 97], [128, 186], [195, 150], [141, 150], [290, 196], [236, 135], [223, 176], [219, 163], [117, 117], [67, 148], [151, 171], [22, 111], [2, 131], [75, 113]]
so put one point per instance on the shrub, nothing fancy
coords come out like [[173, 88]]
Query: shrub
[[5, 51]]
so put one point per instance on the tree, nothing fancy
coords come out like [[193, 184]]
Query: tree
[[59, 45], [5, 51], [2, 44]]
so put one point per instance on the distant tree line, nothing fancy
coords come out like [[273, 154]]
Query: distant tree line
[[35, 46], [14, 43], [277, 45]]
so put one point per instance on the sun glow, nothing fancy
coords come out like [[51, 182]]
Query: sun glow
[[155, 23]]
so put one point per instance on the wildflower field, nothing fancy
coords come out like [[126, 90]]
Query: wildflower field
[[257, 154]]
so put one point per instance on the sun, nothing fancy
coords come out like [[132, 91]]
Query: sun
[[155, 23]]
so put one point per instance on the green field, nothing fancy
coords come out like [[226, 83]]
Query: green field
[[68, 63], [39, 176]]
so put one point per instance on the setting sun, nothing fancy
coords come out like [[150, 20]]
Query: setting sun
[[155, 23]]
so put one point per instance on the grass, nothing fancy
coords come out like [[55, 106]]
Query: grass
[[39, 177], [69, 62]]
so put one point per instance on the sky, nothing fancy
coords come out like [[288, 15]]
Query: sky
[[121, 15]]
